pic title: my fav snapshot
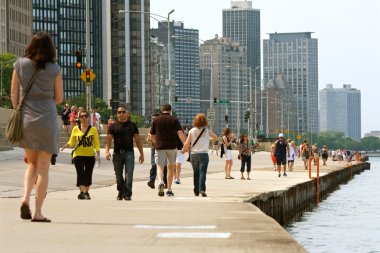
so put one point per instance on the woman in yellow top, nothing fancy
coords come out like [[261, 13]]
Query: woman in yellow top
[[84, 153]]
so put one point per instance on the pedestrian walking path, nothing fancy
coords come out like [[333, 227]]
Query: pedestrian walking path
[[221, 222]]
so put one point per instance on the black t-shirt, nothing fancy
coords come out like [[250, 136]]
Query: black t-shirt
[[65, 114], [281, 147], [165, 127], [123, 133]]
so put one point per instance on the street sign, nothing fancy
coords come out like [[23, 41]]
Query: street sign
[[298, 136], [224, 101], [211, 114], [88, 76]]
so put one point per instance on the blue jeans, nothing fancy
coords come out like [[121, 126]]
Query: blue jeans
[[199, 162], [121, 160]]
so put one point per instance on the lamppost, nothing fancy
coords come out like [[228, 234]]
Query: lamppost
[[169, 44], [2, 63]]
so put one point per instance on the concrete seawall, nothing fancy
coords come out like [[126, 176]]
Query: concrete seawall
[[288, 205]]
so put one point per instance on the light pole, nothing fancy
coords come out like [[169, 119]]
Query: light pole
[[169, 61], [253, 126], [2, 63]]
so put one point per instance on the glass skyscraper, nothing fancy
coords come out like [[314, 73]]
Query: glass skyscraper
[[185, 43], [65, 21], [293, 58], [241, 23], [340, 110]]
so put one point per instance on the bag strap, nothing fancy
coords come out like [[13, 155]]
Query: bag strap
[[198, 137], [28, 87], [81, 141]]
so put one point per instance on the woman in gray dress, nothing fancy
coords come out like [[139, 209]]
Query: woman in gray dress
[[39, 113]]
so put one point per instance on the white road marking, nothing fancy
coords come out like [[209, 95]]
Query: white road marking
[[173, 227], [194, 235]]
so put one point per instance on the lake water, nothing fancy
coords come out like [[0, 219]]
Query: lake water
[[348, 220]]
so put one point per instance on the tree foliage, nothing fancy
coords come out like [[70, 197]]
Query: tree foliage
[[335, 140], [6, 61]]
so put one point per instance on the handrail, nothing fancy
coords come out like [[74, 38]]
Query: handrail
[[316, 161]]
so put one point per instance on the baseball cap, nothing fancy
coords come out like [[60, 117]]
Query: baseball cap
[[280, 135]]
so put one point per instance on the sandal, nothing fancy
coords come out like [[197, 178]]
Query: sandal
[[248, 178], [242, 177], [26, 214]]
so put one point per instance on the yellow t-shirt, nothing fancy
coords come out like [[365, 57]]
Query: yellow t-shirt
[[89, 145]]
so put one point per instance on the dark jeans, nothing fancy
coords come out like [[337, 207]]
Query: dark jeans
[[120, 161], [199, 162], [84, 166], [245, 159]]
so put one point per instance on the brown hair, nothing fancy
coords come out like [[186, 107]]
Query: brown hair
[[226, 131], [41, 49], [200, 120], [166, 108]]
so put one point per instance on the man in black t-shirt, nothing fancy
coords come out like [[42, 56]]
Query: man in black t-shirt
[[123, 132], [281, 151]]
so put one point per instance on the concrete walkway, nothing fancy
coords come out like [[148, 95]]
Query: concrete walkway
[[221, 222]]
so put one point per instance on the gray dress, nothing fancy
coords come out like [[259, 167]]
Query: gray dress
[[39, 112]]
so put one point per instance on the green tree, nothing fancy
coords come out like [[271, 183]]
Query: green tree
[[6, 62]]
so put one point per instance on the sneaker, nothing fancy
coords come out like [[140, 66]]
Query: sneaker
[[120, 196], [279, 174], [161, 190], [151, 184], [87, 196], [127, 197], [169, 194], [177, 181], [285, 175], [203, 194], [82, 195]]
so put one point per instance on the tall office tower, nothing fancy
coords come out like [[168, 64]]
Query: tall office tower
[[241, 23], [15, 26], [186, 77], [224, 65], [65, 21], [340, 110], [129, 39], [293, 58]]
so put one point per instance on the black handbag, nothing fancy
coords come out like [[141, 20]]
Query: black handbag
[[80, 143], [188, 159]]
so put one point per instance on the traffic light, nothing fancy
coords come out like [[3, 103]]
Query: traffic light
[[78, 63], [215, 101], [246, 116], [226, 118]]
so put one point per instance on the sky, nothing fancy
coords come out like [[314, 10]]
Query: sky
[[348, 33]]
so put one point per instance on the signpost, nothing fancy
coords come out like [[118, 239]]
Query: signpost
[[211, 116]]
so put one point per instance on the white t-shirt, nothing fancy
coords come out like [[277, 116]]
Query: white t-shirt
[[203, 143]]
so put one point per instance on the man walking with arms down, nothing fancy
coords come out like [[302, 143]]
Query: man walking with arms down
[[123, 131], [163, 132], [281, 151]]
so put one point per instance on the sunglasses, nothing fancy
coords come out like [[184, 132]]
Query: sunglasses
[[83, 116], [119, 112]]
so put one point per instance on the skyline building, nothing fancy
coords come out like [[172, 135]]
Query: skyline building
[[292, 59], [223, 64], [241, 23], [65, 21], [15, 26], [340, 110], [127, 39], [185, 65]]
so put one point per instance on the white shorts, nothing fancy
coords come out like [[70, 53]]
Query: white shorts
[[180, 157], [228, 154]]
